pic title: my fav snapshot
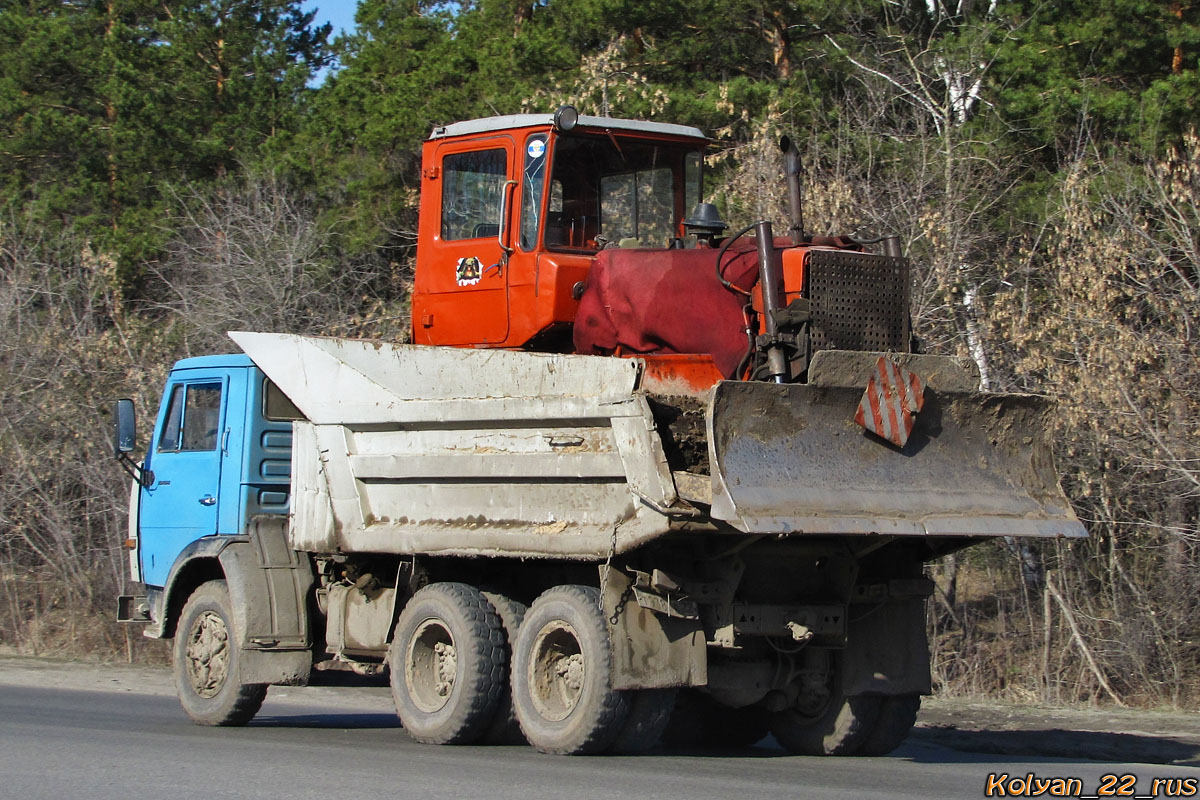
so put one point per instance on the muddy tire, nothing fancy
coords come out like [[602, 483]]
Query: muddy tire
[[207, 660], [700, 721], [649, 714], [504, 728], [448, 664], [561, 683], [897, 715], [839, 727]]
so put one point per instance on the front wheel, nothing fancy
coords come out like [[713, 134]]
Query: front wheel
[[561, 682], [207, 660]]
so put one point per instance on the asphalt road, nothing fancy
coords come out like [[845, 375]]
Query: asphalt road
[[102, 745]]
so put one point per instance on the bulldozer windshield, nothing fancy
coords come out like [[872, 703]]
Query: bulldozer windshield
[[620, 190]]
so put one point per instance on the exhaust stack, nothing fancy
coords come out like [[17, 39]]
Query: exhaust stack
[[791, 159], [770, 278]]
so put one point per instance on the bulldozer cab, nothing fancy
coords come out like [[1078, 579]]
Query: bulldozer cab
[[514, 209]]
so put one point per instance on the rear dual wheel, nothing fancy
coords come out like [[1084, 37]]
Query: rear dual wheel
[[562, 682], [838, 727], [649, 715], [449, 666], [504, 728], [897, 715], [450, 656], [561, 685], [700, 721]]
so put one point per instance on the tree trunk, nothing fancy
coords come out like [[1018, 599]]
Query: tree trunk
[[522, 13]]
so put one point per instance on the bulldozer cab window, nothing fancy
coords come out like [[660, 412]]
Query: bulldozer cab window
[[692, 164], [622, 189], [533, 183], [193, 418], [473, 194], [638, 208]]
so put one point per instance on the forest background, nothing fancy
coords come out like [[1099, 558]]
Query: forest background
[[169, 171]]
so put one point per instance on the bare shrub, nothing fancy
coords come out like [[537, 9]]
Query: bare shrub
[[61, 500], [1106, 319], [253, 255], [249, 256]]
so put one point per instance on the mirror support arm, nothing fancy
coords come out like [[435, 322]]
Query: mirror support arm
[[143, 476]]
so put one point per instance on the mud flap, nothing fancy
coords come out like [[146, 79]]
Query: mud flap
[[277, 667], [650, 650], [790, 459], [887, 651], [269, 584]]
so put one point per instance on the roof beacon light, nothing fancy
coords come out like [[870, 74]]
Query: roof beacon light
[[566, 118]]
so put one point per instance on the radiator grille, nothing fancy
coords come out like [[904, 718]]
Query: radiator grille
[[859, 301]]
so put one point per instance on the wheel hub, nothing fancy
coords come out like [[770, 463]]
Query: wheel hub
[[570, 672], [431, 666], [207, 654], [447, 668], [814, 695], [557, 671]]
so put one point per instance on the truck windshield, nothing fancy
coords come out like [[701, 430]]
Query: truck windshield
[[624, 191]]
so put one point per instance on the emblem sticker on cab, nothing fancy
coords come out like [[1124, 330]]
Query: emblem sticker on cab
[[469, 271]]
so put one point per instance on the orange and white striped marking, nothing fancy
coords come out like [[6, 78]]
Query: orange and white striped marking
[[890, 404]]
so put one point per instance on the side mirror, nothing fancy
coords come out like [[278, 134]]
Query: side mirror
[[124, 427], [124, 436]]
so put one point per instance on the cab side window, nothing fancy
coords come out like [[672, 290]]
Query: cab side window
[[473, 194], [193, 418]]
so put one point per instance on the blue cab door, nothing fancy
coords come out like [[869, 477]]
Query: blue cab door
[[186, 454]]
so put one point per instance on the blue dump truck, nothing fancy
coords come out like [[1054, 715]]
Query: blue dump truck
[[505, 532]]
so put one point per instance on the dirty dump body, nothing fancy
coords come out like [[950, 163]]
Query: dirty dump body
[[573, 550]]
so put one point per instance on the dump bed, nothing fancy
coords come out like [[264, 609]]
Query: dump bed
[[412, 449]]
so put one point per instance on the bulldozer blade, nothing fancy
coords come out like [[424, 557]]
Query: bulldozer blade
[[790, 459]]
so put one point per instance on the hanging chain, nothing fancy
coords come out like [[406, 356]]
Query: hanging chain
[[606, 569], [628, 593], [612, 551]]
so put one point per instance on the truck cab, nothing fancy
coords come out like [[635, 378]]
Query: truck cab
[[219, 455]]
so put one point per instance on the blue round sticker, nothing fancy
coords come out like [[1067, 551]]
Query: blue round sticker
[[536, 148]]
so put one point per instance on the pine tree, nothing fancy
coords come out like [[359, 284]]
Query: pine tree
[[104, 102]]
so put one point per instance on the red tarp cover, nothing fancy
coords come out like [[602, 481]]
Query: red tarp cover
[[667, 301]]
